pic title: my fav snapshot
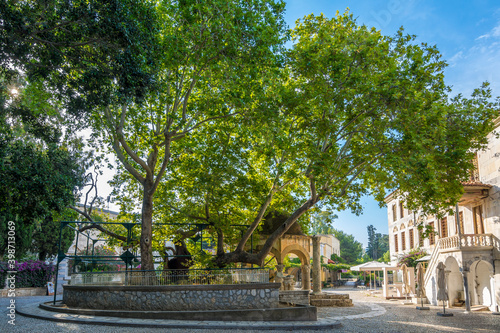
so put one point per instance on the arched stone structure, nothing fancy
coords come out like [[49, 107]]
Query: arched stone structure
[[455, 282], [304, 256], [298, 250], [482, 284]]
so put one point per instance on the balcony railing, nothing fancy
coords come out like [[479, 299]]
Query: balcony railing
[[469, 242]]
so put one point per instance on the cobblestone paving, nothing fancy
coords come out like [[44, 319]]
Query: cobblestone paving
[[369, 314]]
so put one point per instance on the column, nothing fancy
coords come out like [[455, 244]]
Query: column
[[279, 275], [447, 277], [316, 265], [494, 306], [465, 273], [306, 277]]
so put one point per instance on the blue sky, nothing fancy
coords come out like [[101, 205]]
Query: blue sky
[[467, 33]]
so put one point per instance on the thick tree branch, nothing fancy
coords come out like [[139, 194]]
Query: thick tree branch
[[248, 233], [164, 164], [96, 226], [118, 151]]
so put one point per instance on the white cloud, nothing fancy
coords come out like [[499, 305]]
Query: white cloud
[[453, 60], [495, 32]]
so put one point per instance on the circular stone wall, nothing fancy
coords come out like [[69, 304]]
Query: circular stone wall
[[173, 298]]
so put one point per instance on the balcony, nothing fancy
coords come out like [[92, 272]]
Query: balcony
[[469, 242], [474, 192]]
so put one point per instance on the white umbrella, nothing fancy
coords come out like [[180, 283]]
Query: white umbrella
[[442, 295], [420, 280], [406, 286]]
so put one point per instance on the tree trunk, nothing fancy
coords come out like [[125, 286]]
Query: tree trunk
[[258, 258], [147, 260]]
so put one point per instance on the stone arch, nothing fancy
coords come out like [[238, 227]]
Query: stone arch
[[455, 283], [482, 284], [402, 226], [410, 224], [304, 257], [395, 229], [298, 250]]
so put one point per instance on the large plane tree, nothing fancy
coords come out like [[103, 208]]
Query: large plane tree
[[353, 113]]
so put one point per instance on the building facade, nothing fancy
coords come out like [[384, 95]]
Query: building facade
[[468, 243]]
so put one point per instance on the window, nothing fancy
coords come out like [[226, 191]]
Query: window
[[461, 221], [394, 217], [444, 227], [396, 243], [403, 241], [431, 235], [412, 243], [401, 210], [474, 173], [478, 219], [420, 238]]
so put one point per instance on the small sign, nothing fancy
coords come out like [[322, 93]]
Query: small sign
[[50, 288]]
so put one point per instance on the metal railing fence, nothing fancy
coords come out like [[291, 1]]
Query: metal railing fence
[[171, 277]]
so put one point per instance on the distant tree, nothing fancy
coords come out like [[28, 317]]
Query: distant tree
[[350, 249], [372, 248], [378, 243], [386, 257], [383, 244], [322, 223], [337, 258]]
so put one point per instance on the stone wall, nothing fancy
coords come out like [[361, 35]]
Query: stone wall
[[295, 296], [25, 292], [173, 298]]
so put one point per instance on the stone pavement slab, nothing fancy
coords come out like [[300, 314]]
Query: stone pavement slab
[[369, 314], [34, 311]]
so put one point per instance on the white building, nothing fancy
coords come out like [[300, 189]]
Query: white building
[[329, 245], [470, 252]]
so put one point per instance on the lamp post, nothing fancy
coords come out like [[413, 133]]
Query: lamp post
[[464, 269]]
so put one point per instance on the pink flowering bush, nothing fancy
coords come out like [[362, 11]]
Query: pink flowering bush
[[31, 273], [410, 259]]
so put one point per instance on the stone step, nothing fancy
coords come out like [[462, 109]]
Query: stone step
[[329, 296], [331, 302], [476, 308]]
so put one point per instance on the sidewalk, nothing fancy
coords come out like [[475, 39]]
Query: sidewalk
[[369, 314]]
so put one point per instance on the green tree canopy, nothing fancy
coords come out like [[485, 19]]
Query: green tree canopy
[[214, 60], [378, 244], [89, 52], [36, 182], [350, 249], [351, 113]]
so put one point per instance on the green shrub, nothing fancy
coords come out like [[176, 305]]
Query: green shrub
[[3, 274]]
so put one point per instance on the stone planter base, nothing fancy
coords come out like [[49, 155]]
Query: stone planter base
[[281, 313], [173, 298], [294, 296]]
